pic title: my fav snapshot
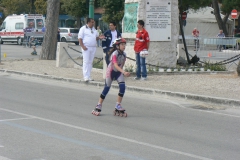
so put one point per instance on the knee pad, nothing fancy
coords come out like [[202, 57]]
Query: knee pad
[[121, 89], [102, 96], [104, 92]]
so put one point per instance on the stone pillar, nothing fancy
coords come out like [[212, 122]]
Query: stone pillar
[[61, 55], [162, 52]]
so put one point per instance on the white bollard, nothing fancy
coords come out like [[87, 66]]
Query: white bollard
[[61, 55]]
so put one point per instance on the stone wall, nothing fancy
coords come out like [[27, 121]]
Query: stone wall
[[160, 53]]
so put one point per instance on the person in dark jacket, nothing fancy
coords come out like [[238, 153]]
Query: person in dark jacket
[[110, 36]]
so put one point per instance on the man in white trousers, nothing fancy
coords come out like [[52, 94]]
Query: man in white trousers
[[87, 37]]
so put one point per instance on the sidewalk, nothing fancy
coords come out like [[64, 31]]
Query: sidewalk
[[220, 88]]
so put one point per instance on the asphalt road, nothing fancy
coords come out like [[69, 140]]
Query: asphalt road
[[52, 120]]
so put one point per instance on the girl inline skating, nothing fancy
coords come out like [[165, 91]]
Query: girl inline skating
[[115, 72]]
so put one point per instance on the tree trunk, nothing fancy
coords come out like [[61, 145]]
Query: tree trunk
[[221, 23], [79, 22], [238, 27], [49, 45]]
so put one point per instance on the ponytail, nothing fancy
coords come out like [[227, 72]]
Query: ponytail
[[111, 51]]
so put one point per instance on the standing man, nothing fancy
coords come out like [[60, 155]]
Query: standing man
[[195, 34], [110, 36], [141, 44], [88, 37], [28, 29], [220, 35], [99, 33]]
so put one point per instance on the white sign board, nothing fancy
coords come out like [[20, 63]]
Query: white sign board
[[158, 20]]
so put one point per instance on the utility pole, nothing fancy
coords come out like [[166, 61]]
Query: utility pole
[[91, 8]]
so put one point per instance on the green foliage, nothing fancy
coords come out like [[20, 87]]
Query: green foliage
[[41, 6], [16, 6], [229, 5], [114, 10], [157, 67], [97, 64], [150, 69], [76, 8], [194, 4], [214, 67]]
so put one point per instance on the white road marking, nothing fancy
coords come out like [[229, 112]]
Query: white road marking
[[177, 104], [224, 114], [112, 136], [4, 158], [16, 119]]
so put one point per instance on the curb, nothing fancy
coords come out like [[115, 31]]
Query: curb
[[216, 100]]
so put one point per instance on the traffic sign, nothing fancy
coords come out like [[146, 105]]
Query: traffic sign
[[184, 15], [234, 13]]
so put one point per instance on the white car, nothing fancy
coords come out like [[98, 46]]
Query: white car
[[69, 35]]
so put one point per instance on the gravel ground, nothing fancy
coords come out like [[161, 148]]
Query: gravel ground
[[212, 84]]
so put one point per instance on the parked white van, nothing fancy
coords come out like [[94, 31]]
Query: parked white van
[[12, 28]]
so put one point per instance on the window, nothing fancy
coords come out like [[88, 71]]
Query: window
[[30, 23], [19, 25], [3, 25], [40, 24], [74, 30], [63, 30]]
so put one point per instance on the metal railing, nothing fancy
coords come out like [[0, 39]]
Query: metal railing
[[215, 50]]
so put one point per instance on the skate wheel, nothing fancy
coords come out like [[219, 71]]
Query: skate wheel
[[95, 113]]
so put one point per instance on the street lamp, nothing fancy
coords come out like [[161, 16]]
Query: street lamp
[[91, 8]]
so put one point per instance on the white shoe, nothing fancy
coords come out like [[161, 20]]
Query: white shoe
[[90, 79], [86, 80], [144, 78]]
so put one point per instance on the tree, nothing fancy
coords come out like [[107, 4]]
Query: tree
[[76, 8], [184, 5], [227, 7], [16, 6], [49, 46], [221, 22], [114, 11], [41, 6]]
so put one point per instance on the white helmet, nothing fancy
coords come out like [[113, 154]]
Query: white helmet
[[119, 40]]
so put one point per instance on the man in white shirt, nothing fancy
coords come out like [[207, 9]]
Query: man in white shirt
[[109, 37], [87, 37]]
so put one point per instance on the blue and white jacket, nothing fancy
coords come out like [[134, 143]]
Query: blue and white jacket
[[108, 39]]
